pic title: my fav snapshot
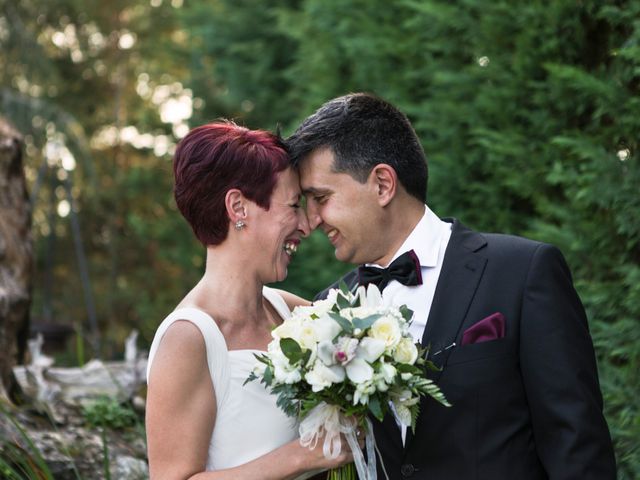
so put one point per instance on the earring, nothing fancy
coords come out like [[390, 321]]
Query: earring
[[239, 225]]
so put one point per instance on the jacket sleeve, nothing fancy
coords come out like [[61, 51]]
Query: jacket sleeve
[[560, 374]]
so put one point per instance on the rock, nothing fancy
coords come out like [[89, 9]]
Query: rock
[[73, 450], [57, 423], [129, 468]]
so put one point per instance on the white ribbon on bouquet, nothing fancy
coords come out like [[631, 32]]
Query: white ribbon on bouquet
[[326, 419]]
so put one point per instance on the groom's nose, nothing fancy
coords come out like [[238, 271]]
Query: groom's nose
[[303, 224], [314, 216]]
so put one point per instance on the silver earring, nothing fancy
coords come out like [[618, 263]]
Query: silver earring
[[239, 225]]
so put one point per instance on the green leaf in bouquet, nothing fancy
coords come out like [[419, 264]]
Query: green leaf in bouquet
[[407, 368], [267, 376], [406, 313], [427, 386], [366, 322], [306, 356], [376, 408], [262, 358], [429, 365], [343, 288], [342, 301], [291, 349], [415, 411], [345, 324], [287, 399], [252, 376]]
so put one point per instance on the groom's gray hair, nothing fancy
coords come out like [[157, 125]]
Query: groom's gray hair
[[363, 131]]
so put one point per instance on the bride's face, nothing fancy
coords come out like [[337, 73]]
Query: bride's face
[[280, 228]]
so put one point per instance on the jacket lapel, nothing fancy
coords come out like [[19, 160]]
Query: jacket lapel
[[461, 272], [459, 278]]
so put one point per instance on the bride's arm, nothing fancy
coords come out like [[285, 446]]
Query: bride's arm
[[181, 412], [291, 299], [181, 405]]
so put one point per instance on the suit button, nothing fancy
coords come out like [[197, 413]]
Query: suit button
[[407, 470]]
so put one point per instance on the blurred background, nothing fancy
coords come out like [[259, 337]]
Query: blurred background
[[529, 112]]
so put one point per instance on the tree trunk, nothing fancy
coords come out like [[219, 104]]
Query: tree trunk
[[16, 258]]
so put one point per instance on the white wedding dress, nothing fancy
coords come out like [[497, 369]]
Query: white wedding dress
[[248, 422]]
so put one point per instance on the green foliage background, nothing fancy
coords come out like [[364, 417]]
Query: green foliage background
[[529, 113]]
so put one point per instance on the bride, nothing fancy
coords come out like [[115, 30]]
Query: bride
[[238, 192]]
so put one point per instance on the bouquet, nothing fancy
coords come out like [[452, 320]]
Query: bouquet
[[333, 363]]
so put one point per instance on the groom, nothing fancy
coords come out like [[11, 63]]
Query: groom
[[499, 312]]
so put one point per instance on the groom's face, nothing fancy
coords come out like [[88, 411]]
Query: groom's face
[[343, 208]]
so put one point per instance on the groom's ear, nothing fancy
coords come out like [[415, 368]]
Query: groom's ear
[[236, 205], [385, 181]]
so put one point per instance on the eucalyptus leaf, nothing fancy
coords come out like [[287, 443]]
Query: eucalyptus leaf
[[346, 325], [342, 301], [366, 322], [375, 408]]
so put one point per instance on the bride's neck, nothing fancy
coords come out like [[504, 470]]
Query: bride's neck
[[228, 287]]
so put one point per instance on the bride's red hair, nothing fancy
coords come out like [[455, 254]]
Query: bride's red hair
[[214, 158]]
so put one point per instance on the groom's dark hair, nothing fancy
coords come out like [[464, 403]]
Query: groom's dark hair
[[362, 131]]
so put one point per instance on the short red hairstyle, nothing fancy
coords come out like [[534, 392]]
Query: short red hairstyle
[[214, 158]]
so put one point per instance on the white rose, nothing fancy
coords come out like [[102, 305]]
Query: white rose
[[406, 351], [308, 335], [290, 328], [370, 349], [321, 376], [388, 330], [359, 371], [326, 328]]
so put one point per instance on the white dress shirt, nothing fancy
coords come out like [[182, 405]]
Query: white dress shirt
[[429, 240]]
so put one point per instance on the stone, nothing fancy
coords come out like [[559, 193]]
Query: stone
[[129, 468]]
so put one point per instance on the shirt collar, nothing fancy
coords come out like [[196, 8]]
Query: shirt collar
[[425, 239]]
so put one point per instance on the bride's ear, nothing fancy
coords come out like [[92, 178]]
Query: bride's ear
[[236, 205]]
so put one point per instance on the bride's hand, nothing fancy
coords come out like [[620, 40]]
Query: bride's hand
[[313, 458]]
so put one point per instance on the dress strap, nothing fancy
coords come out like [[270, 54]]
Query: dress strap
[[276, 300], [214, 341]]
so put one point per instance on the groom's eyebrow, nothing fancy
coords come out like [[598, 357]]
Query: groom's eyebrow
[[315, 191]]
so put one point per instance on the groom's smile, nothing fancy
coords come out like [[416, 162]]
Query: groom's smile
[[342, 207]]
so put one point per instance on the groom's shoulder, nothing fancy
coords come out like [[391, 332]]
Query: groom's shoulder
[[350, 278], [492, 241], [501, 247]]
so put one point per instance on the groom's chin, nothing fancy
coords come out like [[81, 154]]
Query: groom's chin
[[343, 256]]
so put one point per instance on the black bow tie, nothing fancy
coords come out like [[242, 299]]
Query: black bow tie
[[405, 269]]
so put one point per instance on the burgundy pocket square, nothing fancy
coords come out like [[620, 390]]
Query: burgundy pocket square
[[487, 329]]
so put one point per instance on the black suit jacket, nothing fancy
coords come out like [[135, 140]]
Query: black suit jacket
[[527, 406]]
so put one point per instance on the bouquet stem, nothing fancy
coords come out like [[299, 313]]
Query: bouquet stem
[[345, 472]]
